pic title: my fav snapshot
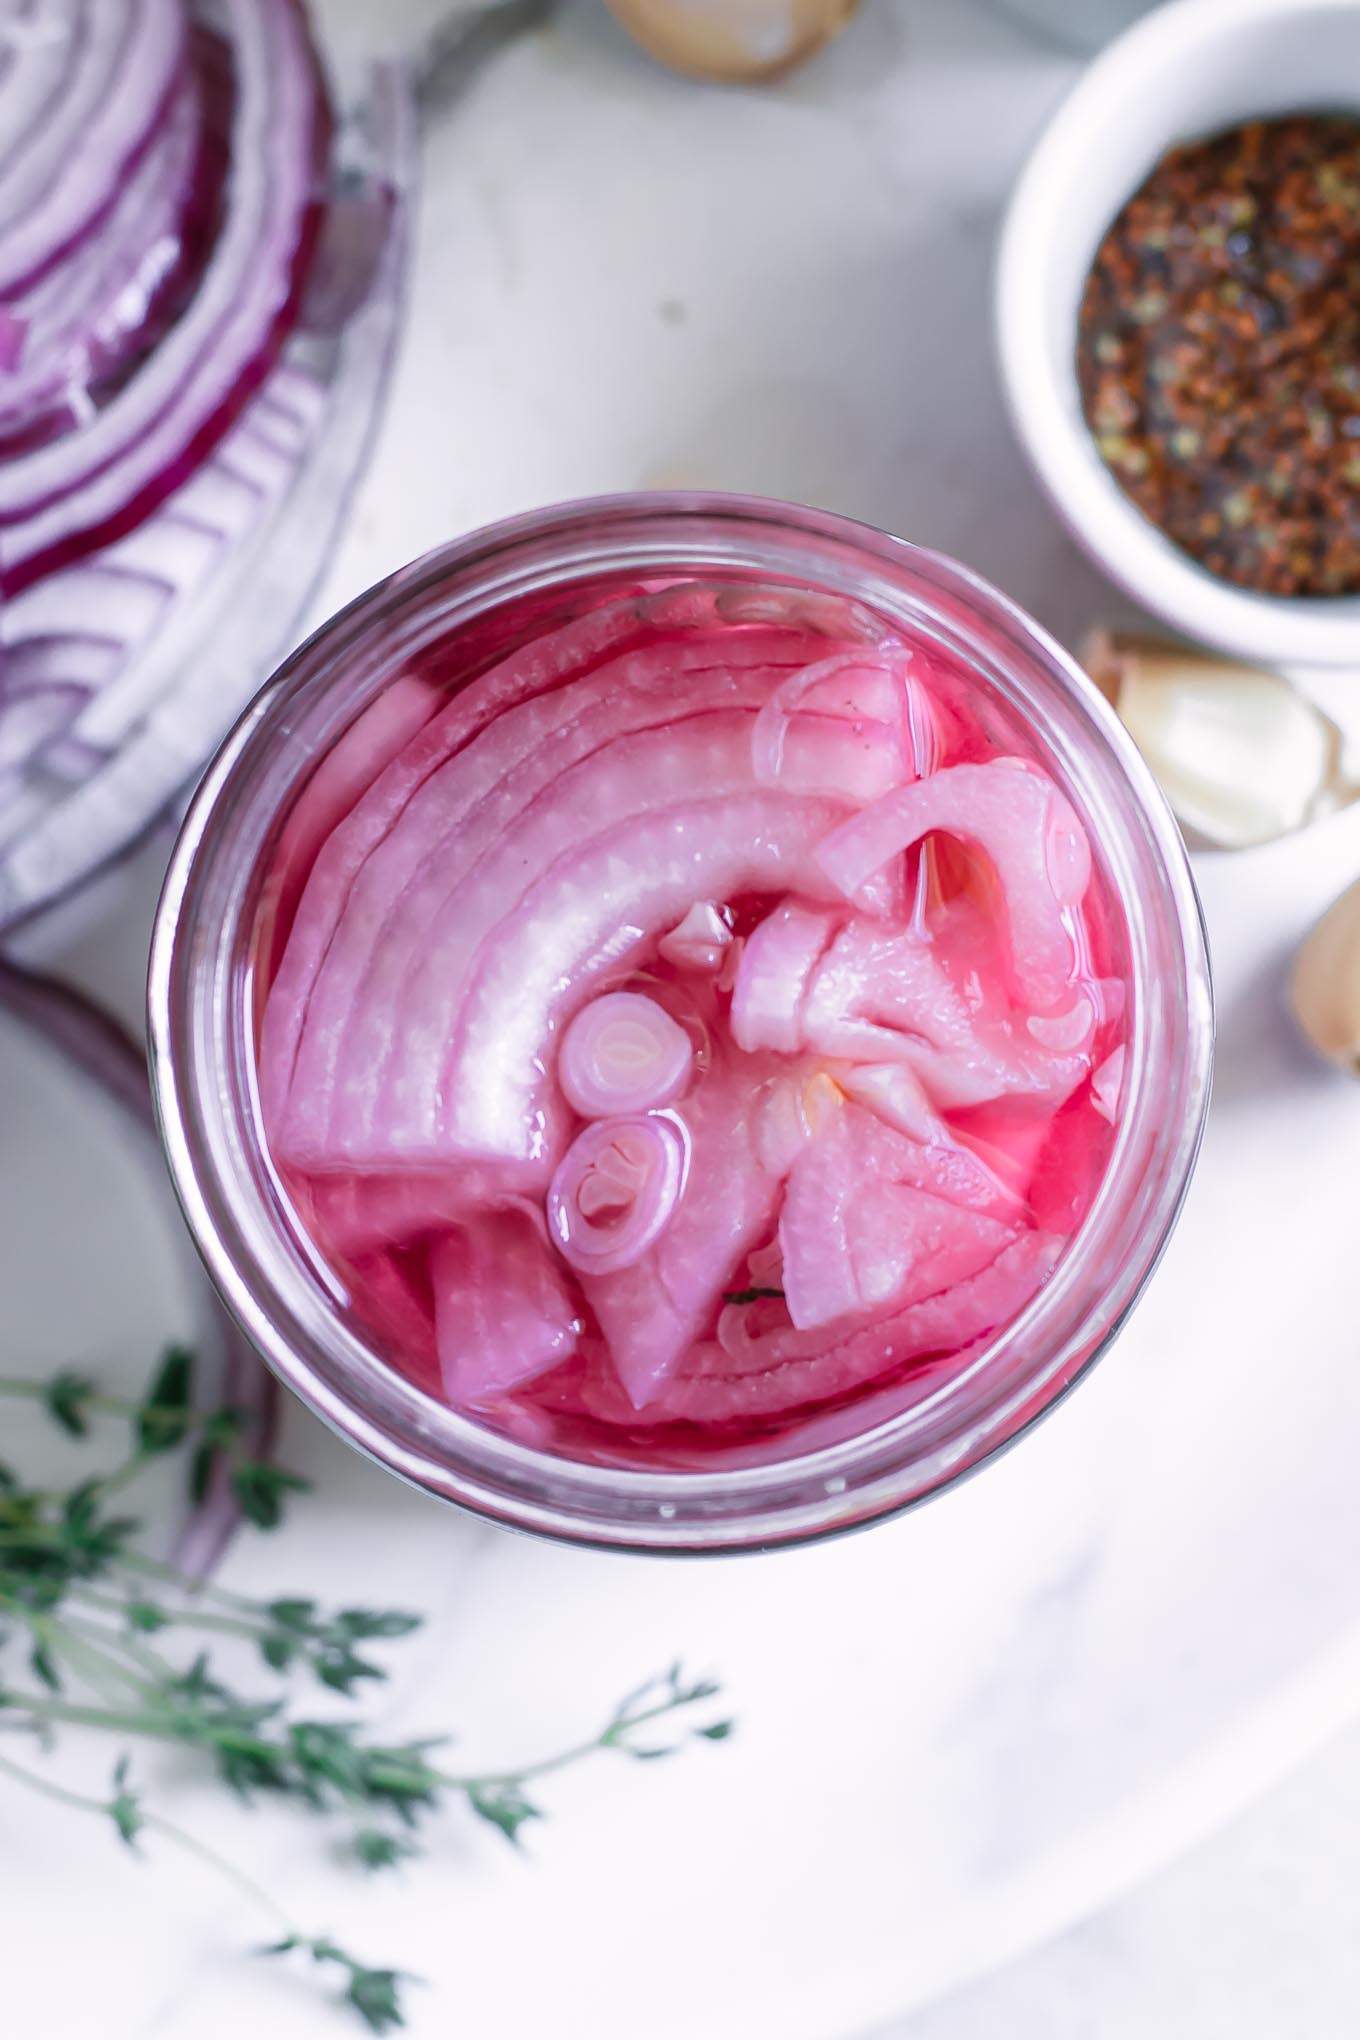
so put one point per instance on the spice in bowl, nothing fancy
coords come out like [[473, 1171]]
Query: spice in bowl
[[1218, 352]]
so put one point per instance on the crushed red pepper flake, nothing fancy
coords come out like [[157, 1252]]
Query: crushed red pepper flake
[[1218, 352]]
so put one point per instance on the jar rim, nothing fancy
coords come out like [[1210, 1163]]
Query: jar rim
[[203, 1070]]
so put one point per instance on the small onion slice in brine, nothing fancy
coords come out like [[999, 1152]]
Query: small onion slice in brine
[[615, 1191], [623, 1054]]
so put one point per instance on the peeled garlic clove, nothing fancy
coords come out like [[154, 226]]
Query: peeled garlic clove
[[1325, 987], [730, 40], [1241, 755]]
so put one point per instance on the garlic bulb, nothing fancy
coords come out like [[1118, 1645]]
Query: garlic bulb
[[1325, 987], [1241, 755], [730, 40]]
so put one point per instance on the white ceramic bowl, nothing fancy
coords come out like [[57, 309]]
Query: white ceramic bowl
[[1191, 67]]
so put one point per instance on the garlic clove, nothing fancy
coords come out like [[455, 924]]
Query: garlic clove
[[1240, 754], [732, 40], [1324, 989]]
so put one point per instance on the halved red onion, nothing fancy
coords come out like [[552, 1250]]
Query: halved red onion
[[623, 1054], [1015, 817], [36, 69], [772, 978], [615, 1191]]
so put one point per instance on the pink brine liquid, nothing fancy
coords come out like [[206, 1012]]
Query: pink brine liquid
[[691, 1023]]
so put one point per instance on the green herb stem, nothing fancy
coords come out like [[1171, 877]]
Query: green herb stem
[[155, 1823]]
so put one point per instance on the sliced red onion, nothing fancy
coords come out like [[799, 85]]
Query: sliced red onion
[[803, 609], [503, 740], [787, 1369], [765, 1266], [373, 739], [856, 1243], [582, 924], [615, 1191], [366, 1077], [1107, 1084], [1068, 1033], [850, 687], [652, 1313], [13, 340], [700, 942], [503, 1314], [30, 716], [37, 68], [772, 978], [124, 67], [936, 1002], [187, 702], [66, 496], [1016, 818], [362, 1215], [622, 1054], [895, 1092]]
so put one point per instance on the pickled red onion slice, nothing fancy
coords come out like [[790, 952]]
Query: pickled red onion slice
[[623, 1054], [356, 1055], [1106, 1085], [698, 943], [868, 693], [607, 654], [652, 1313], [614, 1192], [857, 1244], [503, 1314], [933, 998], [786, 1370], [339, 782], [362, 1214], [1015, 817], [772, 978]]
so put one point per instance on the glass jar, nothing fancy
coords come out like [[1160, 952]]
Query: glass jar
[[203, 1012]]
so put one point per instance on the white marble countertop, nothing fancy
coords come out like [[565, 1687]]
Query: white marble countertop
[[963, 1731]]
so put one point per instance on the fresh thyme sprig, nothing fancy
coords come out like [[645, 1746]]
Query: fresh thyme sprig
[[95, 1617]]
